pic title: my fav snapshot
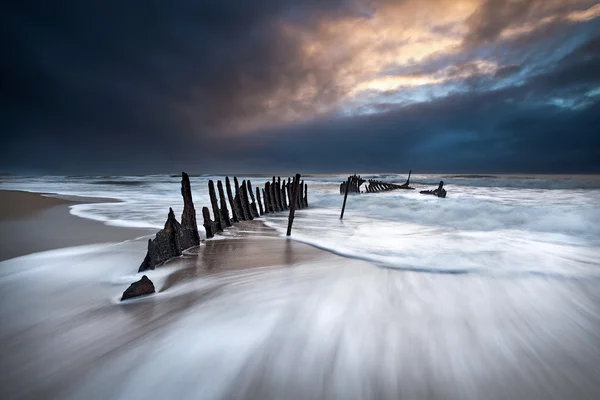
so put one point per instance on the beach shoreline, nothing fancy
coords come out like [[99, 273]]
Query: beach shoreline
[[34, 222]]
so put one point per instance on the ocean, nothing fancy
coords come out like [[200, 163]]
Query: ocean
[[490, 293], [548, 225]]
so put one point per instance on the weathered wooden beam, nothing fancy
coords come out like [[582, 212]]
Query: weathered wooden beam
[[347, 187], [246, 201], [275, 197], [292, 205], [280, 195], [260, 206], [266, 198], [209, 225], [219, 224], [253, 208], [189, 226], [439, 192], [166, 244], [238, 199], [234, 210], [284, 195], [305, 195], [301, 194], [297, 197], [223, 203]]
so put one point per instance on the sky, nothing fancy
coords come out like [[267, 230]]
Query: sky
[[222, 86]]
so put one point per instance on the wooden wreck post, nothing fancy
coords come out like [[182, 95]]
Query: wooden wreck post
[[260, 207], [306, 195], [245, 201], [224, 210], [265, 197], [238, 200], [274, 195], [208, 224], [189, 226], [215, 206], [284, 196], [278, 190], [345, 197], [253, 208], [234, 211], [293, 205], [299, 204]]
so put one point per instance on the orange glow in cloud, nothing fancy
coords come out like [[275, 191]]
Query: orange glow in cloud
[[345, 57]]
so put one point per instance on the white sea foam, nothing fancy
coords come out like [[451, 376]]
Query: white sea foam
[[497, 224]]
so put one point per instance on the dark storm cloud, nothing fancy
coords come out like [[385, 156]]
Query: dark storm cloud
[[120, 76], [138, 87], [515, 129]]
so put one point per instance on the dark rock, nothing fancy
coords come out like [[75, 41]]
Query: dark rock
[[140, 288], [166, 244], [189, 227]]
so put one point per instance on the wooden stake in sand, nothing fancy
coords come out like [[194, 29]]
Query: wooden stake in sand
[[293, 204], [345, 197], [234, 210]]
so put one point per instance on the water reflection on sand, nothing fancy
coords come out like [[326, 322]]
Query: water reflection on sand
[[271, 318]]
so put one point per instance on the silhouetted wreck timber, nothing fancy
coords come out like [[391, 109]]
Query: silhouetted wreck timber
[[140, 288], [166, 244], [235, 211], [354, 182], [372, 186], [253, 209], [245, 201], [439, 192], [189, 226], [224, 210], [260, 206], [210, 227], [219, 223]]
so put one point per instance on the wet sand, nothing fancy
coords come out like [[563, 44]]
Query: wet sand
[[258, 316], [31, 222]]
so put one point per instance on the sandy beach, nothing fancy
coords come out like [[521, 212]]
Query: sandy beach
[[258, 316], [31, 222]]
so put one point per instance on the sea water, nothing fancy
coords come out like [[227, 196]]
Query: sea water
[[493, 224], [489, 293]]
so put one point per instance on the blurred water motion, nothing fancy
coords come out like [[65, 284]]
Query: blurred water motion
[[330, 328]]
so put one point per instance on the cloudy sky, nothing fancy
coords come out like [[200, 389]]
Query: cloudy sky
[[148, 86]]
